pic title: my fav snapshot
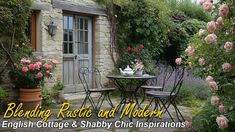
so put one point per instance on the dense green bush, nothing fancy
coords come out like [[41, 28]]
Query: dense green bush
[[3, 98]]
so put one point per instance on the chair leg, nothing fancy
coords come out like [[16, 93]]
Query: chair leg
[[164, 106], [109, 100], [84, 101], [177, 110]]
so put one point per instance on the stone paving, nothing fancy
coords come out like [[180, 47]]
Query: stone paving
[[185, 111]]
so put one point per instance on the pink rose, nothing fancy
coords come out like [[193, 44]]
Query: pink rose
[[210, 38], [54, 61], [178, 61], [221, 108], [209, 79], [24, 69], [207, 6], [39, 75], [222, 121], [201, 2], [187, 124], [201, 61], [224, 10], [213, 85], [38, 58], [201, 32], [48, 72], [211, 26], [228, 46], [47, 66], [39, 63], [189, 51], [31, 67], [226, 67], [219, 21], [24, 60], [214, 100], [36, 66]]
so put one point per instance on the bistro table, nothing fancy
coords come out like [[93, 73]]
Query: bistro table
[[129, 86]]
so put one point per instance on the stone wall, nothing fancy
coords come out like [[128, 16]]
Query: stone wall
[[52, 46]]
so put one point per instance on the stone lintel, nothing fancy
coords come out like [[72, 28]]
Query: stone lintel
[[75, 7], [41, 6]]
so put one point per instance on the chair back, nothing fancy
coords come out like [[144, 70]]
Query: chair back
[[178, 78], [84, 75], [96, 77]]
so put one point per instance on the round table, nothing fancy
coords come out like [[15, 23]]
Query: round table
[[129, 93]]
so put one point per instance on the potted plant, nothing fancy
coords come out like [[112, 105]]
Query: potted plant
[[29, 75]]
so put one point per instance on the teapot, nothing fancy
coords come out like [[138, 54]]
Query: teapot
[[127, 71]]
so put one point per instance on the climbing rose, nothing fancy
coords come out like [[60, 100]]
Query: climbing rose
[[24, 60], [224, 10], [201, 61], [221, 108], [226, 67], [210, 38], [219, 21], [31, 67], [201, 32], [128, 48], [141, 46], [24, 69], [178, 61], [214, 100], [39, 75], [54, 61], [211, 26], [213, 85], [36, 66], [207, 6], [189, 51], [222, 121], [228, 46], [209, 79], [187, 124], [47, 66]]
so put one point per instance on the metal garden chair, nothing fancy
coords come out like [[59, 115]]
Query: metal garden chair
[[91, 81], [168, 98]]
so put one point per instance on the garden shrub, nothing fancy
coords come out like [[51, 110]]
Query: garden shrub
[[3, 98]]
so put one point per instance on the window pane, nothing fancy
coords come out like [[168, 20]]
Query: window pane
[[65, 35], [65, 22], [86, 24], [81, 36], [70, 22], [70, 35], [86, 36], [65, 48], [81, 23], [86, 48], [70, 47]]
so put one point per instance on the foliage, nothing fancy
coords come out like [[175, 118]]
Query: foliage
[[56, 89], [31, 72], [211, 54], [3, 98], [47, 99]]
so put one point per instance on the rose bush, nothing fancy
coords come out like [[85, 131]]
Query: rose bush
[[31, 72], [213, 58]]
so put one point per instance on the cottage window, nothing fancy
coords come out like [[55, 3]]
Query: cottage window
[[68, 35]]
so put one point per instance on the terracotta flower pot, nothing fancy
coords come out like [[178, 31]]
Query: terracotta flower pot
[[30, 98]]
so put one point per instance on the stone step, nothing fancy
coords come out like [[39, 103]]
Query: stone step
[[75, 98]]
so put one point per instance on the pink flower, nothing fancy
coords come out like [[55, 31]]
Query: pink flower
[[228, 46], [224, 10], [39, 63], [39, 75], [226, 67], [31, 67], [187, 124], [221, 108], [189, 51], [178, 61], [54, 61], [201, 61], [210, 38], [48, 72], [201, 2], [209, 79], [23, 60], [213, 85], [211, 26], [222, 121], [201, 32], [36, 66], [219, 21], [47, 66], [214, 100], [38, 58], [24, 69], [207, 6]]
